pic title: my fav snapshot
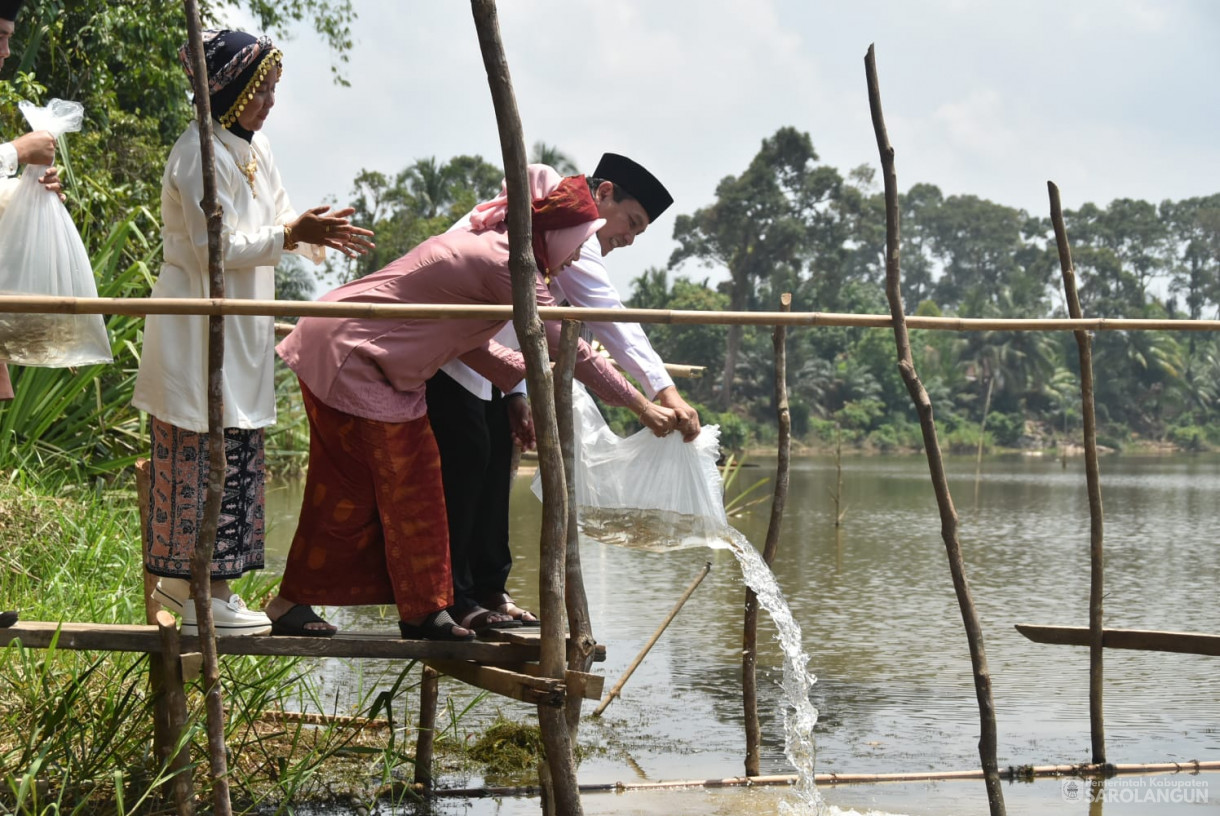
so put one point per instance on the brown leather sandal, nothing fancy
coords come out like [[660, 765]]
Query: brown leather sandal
[[502, 602], [481, 619]]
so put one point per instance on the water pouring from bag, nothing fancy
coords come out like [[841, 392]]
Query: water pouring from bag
[[661, 494]]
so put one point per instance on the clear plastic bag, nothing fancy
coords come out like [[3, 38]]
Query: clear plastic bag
[[644, 491], [41, 253]]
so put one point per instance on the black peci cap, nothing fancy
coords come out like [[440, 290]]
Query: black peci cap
[[9, 9], [637, 181]]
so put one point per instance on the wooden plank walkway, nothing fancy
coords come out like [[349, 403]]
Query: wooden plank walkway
[[1141, 639], [512, 647]]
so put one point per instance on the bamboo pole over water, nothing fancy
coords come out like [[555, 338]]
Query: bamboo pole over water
[[652, 641], [565, 795], [201, 558], [940, 483], [1012, 773], [1084, 346], [749, 647]]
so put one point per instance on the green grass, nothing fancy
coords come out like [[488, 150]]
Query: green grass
[[76, 727]]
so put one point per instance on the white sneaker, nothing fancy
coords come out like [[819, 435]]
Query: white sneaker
[[174, 594], [230, 617]]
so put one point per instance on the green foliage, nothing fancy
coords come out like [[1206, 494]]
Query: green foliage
[[1189, 437], [1006, 429], [859, 416], [734, 431], [688, 344], [964, 439], [422, 200]]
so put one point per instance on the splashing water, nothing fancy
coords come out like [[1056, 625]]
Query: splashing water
[[677, 501], [800, 716], [658, 531]]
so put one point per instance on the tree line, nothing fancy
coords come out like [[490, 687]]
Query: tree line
[[788, 223]]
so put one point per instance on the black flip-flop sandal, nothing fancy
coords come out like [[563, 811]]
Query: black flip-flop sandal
[[7, 619], [293, 622], [437, 626]]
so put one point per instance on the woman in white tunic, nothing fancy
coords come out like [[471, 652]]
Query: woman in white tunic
[[259, 227]]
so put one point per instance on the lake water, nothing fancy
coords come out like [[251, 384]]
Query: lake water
[[882, 628]]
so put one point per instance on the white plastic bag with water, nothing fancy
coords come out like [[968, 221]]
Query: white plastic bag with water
[[644, 491], [41, 253]]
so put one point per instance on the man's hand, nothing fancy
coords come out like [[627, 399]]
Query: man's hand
[[521, 420], [35, 148], [50, 180], [658, 419], [688, 417]]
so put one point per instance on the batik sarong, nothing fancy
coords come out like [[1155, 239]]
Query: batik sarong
[[372, 528], [179, 468]]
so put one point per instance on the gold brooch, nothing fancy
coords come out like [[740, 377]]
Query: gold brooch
[[248, 170]]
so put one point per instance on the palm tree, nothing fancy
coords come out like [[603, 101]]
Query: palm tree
[[431, 184], [552, 156]]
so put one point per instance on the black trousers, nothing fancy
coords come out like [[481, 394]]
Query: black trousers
[[476, 448]]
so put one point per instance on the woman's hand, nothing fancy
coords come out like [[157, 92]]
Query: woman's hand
[[332, 229]]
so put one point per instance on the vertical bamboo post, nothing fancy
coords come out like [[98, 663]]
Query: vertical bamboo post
[[749, 647], [837, 496], [1084, 345], [165, 675], [531, 333], [172, 700], [429, 688], [940, 483], [978, 459], [201, 559], [581, 644]]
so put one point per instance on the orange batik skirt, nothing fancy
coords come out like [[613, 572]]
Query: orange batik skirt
[[372, 528]]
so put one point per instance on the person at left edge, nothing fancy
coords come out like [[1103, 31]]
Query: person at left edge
[[37, 148], [259, 227]]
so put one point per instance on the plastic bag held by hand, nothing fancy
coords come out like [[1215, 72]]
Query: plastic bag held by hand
[[41, 253], [648, 492]]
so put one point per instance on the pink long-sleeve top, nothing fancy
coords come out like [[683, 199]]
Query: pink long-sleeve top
[[377, 368]]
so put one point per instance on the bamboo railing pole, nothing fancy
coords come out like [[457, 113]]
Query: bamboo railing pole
[[940, 483], [530, 332], [1084, 345], [581, 644], [639, 658], [749, 638], [201, 559], [48, 304]]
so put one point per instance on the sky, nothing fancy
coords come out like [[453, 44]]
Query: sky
[[1107, 98]]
